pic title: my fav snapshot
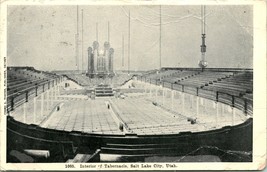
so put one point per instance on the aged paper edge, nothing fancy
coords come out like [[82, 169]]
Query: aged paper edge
[[259, 68]]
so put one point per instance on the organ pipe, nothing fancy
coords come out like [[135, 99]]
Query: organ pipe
[[111, 54], [90, 60], [95, 49]]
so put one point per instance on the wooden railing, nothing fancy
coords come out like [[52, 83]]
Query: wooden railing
[[18, 98], [239, 102]]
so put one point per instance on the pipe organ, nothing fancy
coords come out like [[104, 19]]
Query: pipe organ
[[100, 61]]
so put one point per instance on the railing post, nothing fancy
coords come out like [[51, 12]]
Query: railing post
[[26, 96], [233, 101], [12, 103], [36, 91]]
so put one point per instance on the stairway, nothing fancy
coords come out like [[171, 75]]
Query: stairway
[[104, 90]]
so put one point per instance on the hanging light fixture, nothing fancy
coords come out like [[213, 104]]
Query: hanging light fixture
[[203, 63]]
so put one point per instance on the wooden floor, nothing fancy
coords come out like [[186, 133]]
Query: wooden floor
[[78, 113], [89, 116]]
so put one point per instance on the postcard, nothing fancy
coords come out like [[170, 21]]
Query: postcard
[[133, 85]]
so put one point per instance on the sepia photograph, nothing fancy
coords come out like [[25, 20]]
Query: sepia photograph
[[130, 86]]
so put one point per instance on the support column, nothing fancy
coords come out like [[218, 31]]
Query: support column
[[34, 109], [156, 94], [51, 97], [55, 92], [58, 90], [150, 92], [163, 94], [222, 109], [42, 104], [191, 101], [180, 98], [182, 103], [204, 105], [47, 99], [197, 107], [24, 111], [172, 95], [217, 114], [233, 115], [52, 94]]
